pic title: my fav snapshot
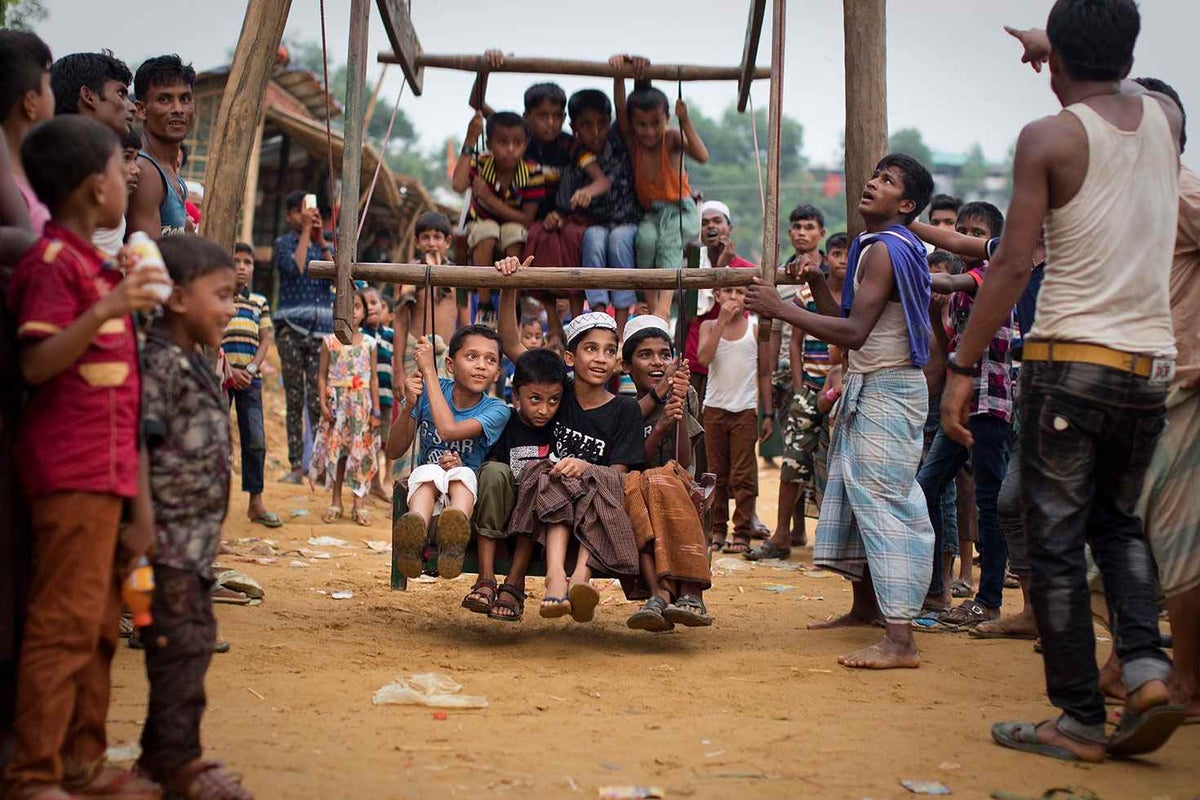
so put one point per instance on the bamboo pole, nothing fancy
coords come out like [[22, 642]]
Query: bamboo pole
[[865, 25], [565, 66], [770, 260], [347, 232], [233, 136], [545, 277]]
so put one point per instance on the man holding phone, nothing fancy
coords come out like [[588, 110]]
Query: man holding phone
[[303, 315]]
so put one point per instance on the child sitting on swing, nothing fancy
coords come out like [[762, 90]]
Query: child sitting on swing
[[577, 493], [457, 424]]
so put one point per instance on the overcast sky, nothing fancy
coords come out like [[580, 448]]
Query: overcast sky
[[952, 71]]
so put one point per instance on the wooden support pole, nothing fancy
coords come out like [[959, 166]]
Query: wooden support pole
[[865, 25], [233, 135], [397, 21], [750, 51], [250, 198], [545, 277], [564, 66], [347, 232], [770, 259]]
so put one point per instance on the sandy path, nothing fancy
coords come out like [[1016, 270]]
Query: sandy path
[[754, 707]]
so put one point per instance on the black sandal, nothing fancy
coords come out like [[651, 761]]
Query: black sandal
[[688, 610], [481, 597], [650, 617], [739, 546], [516, 604], [767, 550]]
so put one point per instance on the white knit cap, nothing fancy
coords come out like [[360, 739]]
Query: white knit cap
[[586, 322], [716, 205], [644, 322]]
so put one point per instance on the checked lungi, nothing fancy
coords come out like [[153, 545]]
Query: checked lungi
[[874, 513]]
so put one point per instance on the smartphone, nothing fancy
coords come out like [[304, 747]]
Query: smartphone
[[310, 202]]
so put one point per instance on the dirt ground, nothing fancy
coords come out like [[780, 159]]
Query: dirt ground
[[754, 707]]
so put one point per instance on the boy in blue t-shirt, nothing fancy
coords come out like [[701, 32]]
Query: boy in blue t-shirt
[[455, 428]]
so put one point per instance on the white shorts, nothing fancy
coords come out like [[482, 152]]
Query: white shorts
[[441, 480]]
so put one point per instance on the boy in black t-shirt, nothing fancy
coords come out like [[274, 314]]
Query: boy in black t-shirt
[[593, 428], [538, 385]]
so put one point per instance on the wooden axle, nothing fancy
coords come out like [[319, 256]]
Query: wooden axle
[[565, 66], [546, 277]]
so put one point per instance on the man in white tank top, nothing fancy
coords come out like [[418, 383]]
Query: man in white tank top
[[1103, 176], [874, 527]]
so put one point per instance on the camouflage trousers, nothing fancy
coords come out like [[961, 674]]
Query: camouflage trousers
[[801, 423]]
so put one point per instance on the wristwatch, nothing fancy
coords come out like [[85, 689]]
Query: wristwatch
[[954, 367], [252, 369]]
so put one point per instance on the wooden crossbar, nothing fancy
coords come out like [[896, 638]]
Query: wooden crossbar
[[546, 277], [564, 66]]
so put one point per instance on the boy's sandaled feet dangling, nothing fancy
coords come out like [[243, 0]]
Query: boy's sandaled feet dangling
[[689, 611], [453, 534], [583, 600], [482, 596], [650, 617], [767, 550], [408, 544], [554, 607], [509, 605], [331, 515]]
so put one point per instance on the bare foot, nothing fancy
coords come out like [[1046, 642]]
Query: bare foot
[[1110, 680], [884, 654], [1148, 695], [850, 620]]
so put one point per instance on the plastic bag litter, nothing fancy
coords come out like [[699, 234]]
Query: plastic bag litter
[[728, 566], [124, 752], [379, 547], [778, 588], [427, 689], [925, 787], [630, 792], [344, 594], [326, 541], [240, 582]]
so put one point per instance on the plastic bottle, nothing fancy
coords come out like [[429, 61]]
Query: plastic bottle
[[146, 255], [138, 591]]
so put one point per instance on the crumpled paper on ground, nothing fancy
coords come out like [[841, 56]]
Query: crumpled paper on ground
[[427, 689]]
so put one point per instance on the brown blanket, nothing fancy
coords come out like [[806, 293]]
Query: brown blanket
[[664, 519], [591, 505]]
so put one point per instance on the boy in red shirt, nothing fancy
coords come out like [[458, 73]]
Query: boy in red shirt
[[78, 437]]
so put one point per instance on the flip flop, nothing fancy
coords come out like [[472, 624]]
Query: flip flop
[[268, 519], [453, 533], [554, 607], [767, 550], [408, 544], [1023, 736], [975, 633], [583, 599], [222, 594], [1145, 732]]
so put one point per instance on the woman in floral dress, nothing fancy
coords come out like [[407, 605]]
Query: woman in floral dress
[[345, 444]]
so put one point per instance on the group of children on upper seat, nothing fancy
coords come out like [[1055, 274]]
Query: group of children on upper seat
[[585, 473], [604, 197]]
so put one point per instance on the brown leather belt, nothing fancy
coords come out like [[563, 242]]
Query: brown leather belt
[[1076, 352]]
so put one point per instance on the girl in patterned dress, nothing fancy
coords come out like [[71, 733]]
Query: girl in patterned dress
[[345, 445]]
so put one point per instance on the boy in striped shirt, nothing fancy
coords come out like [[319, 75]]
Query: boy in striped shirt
[[245, 344], [385, 337]]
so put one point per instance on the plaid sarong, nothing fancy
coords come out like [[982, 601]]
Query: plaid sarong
[[873, 513], [1170, 502]]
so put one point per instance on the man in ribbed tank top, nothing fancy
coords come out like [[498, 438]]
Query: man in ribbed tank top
[[1103, 176]]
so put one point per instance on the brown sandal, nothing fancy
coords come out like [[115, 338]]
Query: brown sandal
[[481, 597], [510, 598], [207, 780]]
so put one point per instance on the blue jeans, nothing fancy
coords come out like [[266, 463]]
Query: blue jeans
[[948, 522], [1087, 436], [989, 459], [253, 438], [610, 247]]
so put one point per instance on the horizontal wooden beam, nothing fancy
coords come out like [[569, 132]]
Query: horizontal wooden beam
[[563, 66], [545, 277], [750, 51]]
